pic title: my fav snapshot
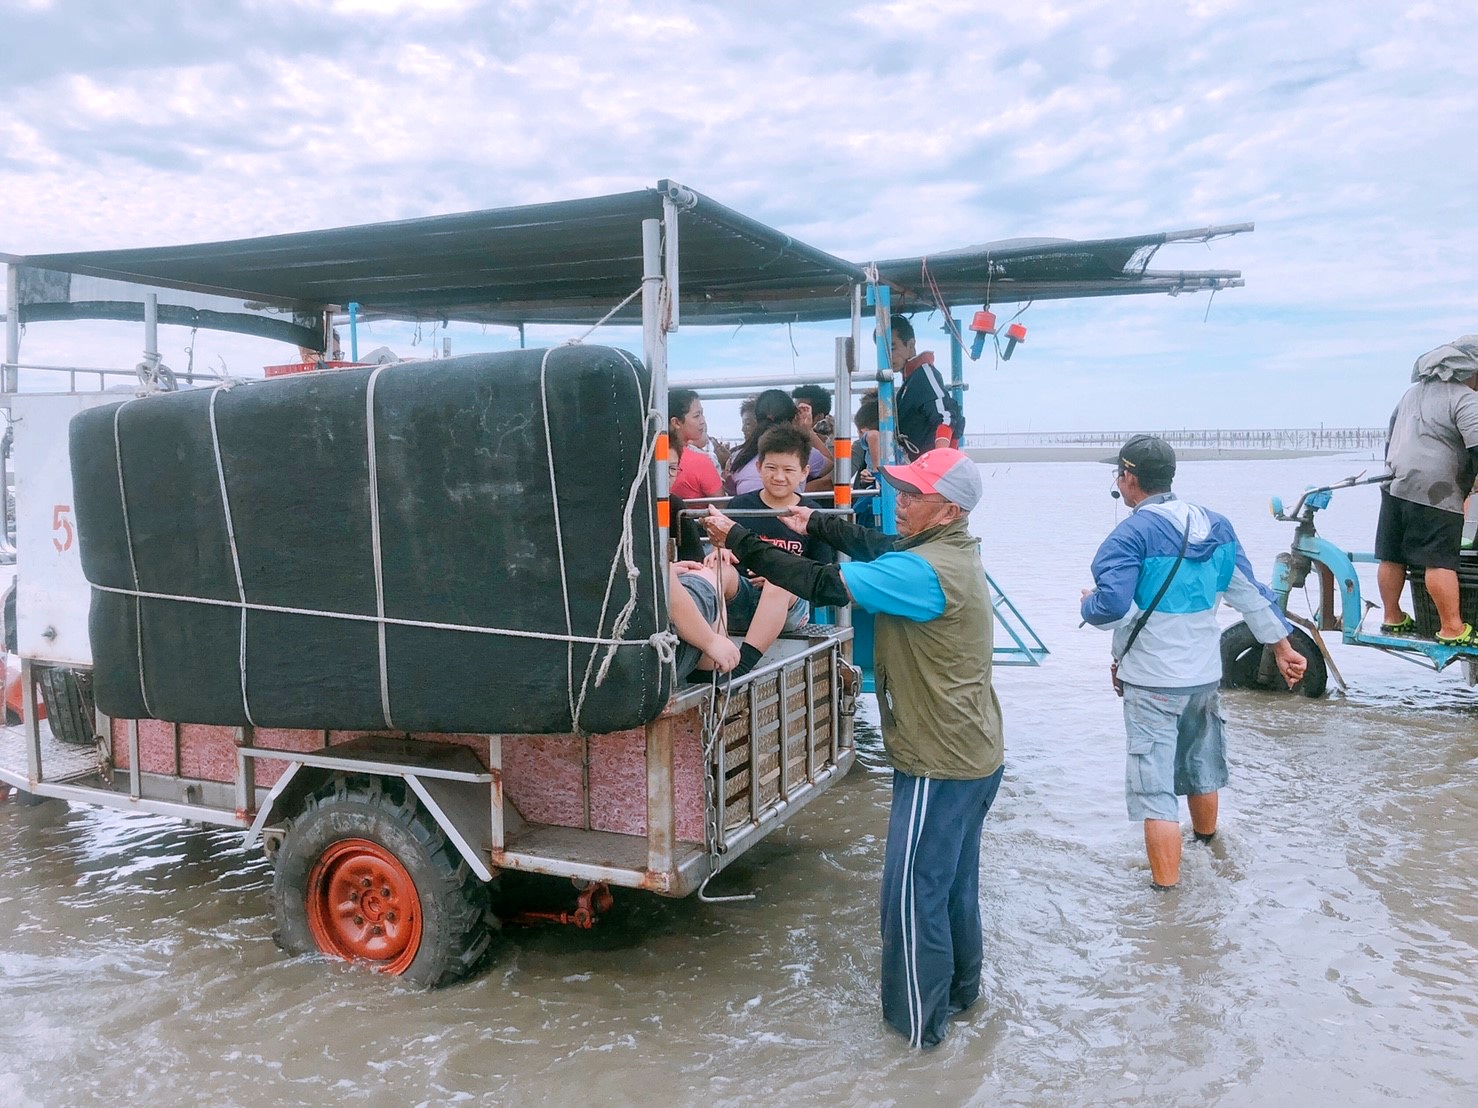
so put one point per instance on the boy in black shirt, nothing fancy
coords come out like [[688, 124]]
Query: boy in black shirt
[[758, 610]]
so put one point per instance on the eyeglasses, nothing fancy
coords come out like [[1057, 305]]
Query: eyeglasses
[[921, 498]]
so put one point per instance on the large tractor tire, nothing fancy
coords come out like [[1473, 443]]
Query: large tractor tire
[[365, 874], [1241, 658], [67, 696]]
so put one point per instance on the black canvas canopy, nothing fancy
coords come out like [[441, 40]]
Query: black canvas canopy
[[572, 261], [1016, 270]]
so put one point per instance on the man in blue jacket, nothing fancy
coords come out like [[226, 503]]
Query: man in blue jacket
[[1169, 671]]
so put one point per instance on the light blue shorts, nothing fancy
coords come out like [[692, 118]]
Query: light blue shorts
[[747, 599], [705, 598], [1177, 747]]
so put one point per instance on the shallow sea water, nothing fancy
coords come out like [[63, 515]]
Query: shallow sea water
[[1322, 951]]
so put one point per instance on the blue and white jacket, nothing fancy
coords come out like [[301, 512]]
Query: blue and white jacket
[[1180, 646]]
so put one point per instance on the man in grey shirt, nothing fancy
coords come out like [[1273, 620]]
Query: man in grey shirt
[[1433, 456]]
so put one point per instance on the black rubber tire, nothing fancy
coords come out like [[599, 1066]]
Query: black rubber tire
[[454, 902], [67, 694], [12, 640], [1241, 657]]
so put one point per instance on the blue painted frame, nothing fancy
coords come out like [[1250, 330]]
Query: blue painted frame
[[1340, 564], [1027, 647]]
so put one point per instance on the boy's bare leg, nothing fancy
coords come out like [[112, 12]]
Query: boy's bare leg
[[719, 651], [769, 617]]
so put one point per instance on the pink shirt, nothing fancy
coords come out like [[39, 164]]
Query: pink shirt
[[696, 476]]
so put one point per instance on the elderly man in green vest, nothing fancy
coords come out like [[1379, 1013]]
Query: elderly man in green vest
[[941, 719]]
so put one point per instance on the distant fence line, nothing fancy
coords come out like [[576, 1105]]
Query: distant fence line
[[1253, 438]]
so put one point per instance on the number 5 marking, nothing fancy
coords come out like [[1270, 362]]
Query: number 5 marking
[[62, 525]]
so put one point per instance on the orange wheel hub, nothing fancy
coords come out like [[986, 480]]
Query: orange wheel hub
[[363, 906]]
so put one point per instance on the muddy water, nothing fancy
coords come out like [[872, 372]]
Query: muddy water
[[1322, 951]]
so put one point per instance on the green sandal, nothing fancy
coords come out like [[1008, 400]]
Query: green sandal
[[1407, 626], [1467, 638]]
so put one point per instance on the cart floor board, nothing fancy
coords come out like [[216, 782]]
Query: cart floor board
[[537, 844], [59, 761]]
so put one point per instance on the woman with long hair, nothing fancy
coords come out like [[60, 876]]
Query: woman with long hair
[[772, 408], [695, 476]]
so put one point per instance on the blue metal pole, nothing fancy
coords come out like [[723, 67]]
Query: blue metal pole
[[881, 295], [353, 331], [957, 365]]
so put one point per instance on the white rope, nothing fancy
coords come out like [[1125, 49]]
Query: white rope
[[138, 613], [601, 322], [626, 547], [374, 491], [663, 641], [655, 640], [559, 542], [625, 552], [215, 442]]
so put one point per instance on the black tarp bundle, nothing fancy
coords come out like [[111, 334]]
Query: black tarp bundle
[[466, 506]]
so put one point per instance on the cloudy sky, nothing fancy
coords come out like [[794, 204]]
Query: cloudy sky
[[1346, 131]]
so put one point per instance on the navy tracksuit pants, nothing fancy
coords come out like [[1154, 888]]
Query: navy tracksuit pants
[[932, 943]]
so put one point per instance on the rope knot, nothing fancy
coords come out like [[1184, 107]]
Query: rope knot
[[665, 644]]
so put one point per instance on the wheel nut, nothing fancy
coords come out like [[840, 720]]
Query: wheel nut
[[354, 898], [358, 921], [386, 892], [377, 930], [365, 882]]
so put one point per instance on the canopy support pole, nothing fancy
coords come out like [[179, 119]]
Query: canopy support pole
[[880, 295], [151, 331], [956, 365], [654, 348], [841, 418], [8, 381]]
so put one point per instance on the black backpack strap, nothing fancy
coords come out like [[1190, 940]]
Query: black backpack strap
[[1144, 618]]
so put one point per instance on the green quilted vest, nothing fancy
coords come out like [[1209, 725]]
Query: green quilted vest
[[939, 712]]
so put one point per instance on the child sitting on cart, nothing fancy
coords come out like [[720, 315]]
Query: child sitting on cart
[[758, 611]]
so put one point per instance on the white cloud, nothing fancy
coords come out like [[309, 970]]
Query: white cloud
[[871, 131]]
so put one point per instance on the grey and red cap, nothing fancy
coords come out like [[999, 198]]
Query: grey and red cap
[[1149, 458], [948, 472]]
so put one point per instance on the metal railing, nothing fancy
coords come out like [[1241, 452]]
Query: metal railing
[[1249, 438]]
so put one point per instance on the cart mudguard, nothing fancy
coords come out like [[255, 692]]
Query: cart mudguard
[[1340, 566], [460, 806]]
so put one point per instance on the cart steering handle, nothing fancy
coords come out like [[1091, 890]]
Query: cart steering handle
[[1317, 498]]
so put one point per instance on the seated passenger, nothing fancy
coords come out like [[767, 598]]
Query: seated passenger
[[693, 606], [866, 459], [757, 610], [694, 475], [772, 409]]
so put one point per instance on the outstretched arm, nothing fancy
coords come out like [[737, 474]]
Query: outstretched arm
[[820, 584]]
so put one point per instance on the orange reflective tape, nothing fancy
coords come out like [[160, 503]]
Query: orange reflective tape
[[664, 513], [843, 495], [662, 444], [842, 448]]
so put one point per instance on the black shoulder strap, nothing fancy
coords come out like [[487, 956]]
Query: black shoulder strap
[[1159, 596]]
